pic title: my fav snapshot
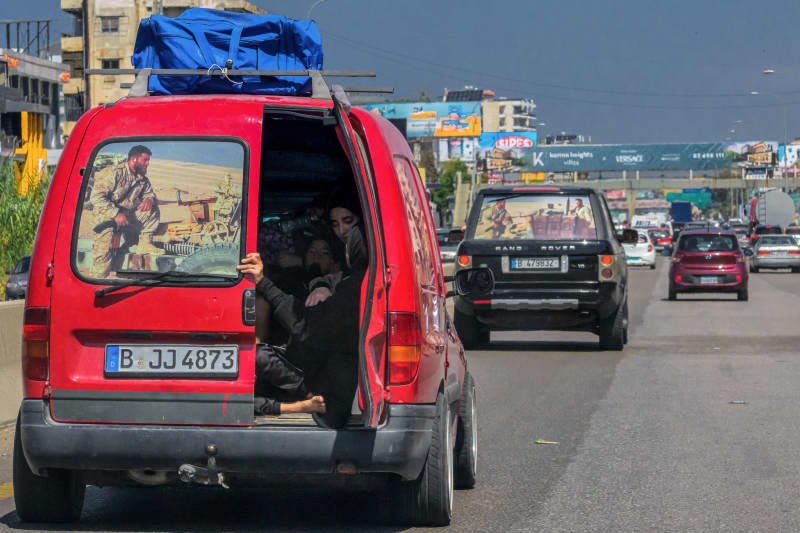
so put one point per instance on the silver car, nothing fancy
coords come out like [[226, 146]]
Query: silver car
[[775, 251]]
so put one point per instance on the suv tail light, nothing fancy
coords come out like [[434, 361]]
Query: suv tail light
[[607, 268], [35, 343], [405, 347]]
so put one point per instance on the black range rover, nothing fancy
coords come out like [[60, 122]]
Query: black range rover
[[556, 260]]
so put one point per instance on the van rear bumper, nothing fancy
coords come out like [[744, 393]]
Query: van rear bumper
[[400, 446]]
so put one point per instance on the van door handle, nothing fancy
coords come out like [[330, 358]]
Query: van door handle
[[249, 307]]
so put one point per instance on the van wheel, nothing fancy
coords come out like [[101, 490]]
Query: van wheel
[[612, 331], [220, 258], [471, 332], [742, 295], [653, 266], [467, 436], [428, 500], [55, 498]]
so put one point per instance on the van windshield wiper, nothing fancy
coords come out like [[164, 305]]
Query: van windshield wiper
[[161, 277]]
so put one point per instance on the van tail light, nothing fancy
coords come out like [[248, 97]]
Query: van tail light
[[678, 278], [762, 252], [649, 247], [405, 347], [35, 343]]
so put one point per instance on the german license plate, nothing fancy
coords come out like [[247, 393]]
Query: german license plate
[[171, 361], [535, 263], [708, 280]]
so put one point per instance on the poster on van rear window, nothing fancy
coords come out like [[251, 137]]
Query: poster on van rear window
[[512, 217], [161, 205]]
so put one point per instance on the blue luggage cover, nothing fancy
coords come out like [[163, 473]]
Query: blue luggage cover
[[207, 38]]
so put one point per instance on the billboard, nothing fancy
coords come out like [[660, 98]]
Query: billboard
[[434, 119], [571, 158], [457, 148], [500, 149]]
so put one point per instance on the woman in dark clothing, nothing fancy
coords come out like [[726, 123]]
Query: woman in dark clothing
[[321, 357]]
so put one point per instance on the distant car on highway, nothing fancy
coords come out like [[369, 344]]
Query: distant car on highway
[[447, 249], [794, 231], [776, 251], [764, 229], [741, 231], [661, 238], [17, 285], [708, 261], [642, 252]]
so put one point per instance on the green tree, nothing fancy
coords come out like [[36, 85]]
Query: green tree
[[447, 180], [19, 217], [429, 164]]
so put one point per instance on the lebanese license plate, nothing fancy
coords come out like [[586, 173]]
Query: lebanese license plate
[[535, 263], [171, 361], [708, 280]]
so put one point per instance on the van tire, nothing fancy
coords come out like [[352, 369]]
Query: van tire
[[428, 500], [220, 258], [471, 332], [612, 331], [55, 498], [467, 437]]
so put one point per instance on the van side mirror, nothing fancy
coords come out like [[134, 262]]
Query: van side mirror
[[628, 236], [472, 282], [455, 236]]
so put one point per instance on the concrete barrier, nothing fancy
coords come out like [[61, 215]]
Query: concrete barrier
[[10, 349]]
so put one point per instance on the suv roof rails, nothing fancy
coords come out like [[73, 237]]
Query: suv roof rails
[[319, 88]]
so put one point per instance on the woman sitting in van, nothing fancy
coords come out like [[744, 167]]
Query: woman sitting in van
[[318, 370], [319, 260]]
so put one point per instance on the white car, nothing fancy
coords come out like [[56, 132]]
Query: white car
[[642, 253]]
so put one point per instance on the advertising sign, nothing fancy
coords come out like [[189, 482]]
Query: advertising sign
[[434, 119], [455, 148], [569, 158]]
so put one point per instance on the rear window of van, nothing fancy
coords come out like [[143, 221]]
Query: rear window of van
[[538, 217], [156, 205]]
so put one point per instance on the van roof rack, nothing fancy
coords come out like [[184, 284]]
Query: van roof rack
[[319, 87]]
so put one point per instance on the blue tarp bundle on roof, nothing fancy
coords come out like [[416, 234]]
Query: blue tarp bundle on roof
[[207, 38]]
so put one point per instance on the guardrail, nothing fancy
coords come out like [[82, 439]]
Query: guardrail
[[10, 351]]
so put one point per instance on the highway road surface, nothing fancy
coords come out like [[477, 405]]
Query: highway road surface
[[694, 427]]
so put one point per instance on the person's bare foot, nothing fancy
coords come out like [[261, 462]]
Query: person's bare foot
[[315, 404]]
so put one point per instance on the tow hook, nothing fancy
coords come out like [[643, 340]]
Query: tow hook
[[207, 475]]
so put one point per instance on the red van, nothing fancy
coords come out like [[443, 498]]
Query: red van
[[139, 344]]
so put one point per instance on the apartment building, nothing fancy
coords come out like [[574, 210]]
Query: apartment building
[[509, 115], [104, 33]]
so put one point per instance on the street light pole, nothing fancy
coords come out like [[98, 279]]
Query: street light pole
[[769, 72], [785, 125]]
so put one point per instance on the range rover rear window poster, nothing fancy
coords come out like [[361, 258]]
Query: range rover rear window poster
[[158, 205]]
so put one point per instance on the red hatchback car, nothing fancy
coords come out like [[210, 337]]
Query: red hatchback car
[[708, 261]]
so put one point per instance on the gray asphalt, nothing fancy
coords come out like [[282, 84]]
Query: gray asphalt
[[646, 439]]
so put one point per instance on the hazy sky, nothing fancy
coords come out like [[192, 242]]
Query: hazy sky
[[619, 70]]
